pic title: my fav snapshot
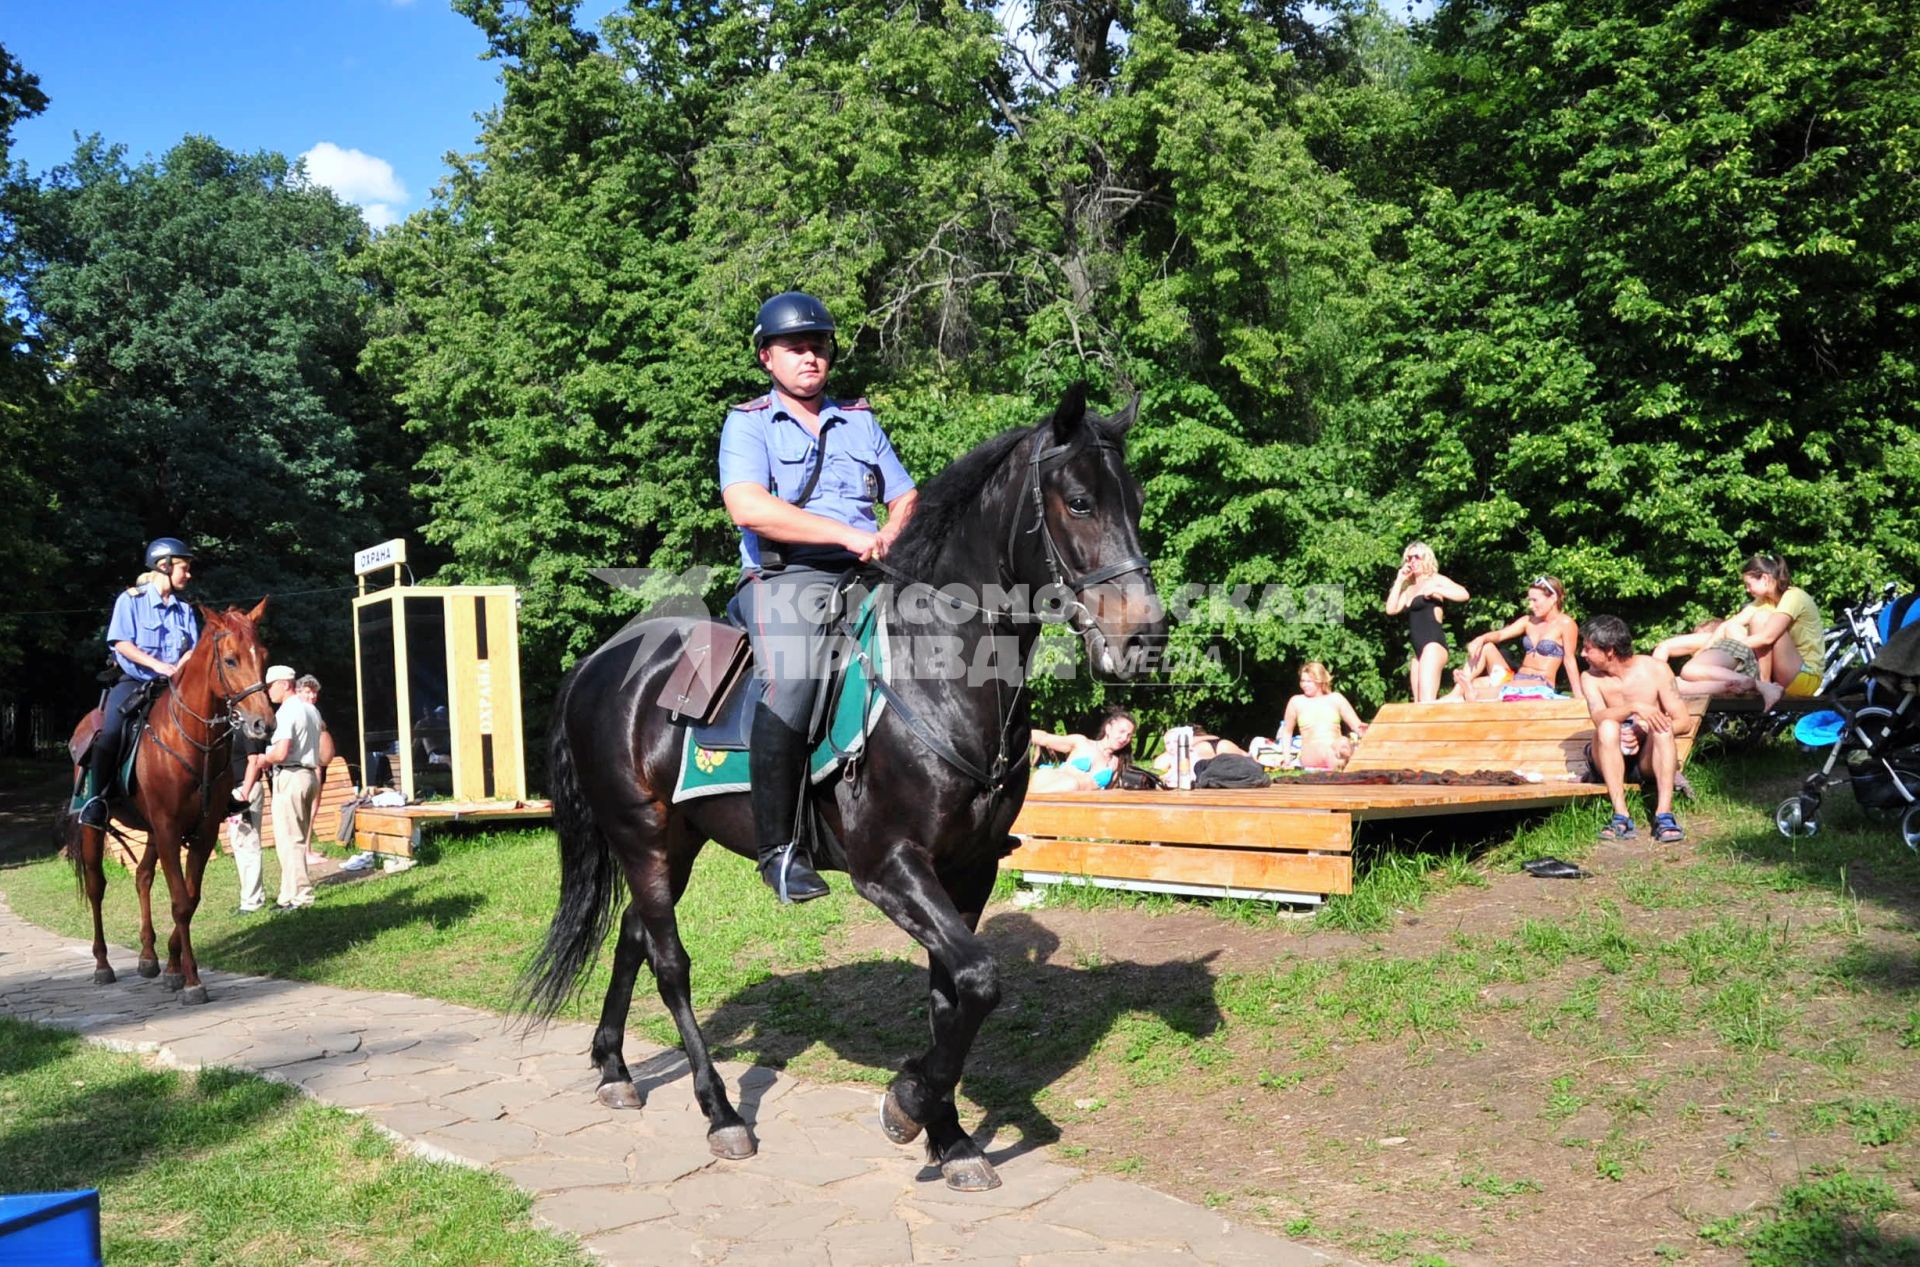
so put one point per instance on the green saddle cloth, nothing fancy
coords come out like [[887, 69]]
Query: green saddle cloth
[[856, 707], [83, 789]]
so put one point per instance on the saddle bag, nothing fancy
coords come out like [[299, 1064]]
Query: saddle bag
[[709, 665]]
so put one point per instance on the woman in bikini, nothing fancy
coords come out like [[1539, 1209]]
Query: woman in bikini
[[1419, 590], [1546, 635], [1088, 764], [1318, 712]]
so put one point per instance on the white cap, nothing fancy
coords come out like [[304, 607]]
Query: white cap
[[279, 673]]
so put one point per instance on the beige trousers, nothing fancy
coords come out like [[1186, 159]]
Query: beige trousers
[[245, 839], [295, 795]]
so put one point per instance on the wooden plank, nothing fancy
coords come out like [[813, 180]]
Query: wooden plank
[[1347, 797], [1226, 868], [1262, 827], [464, 686]]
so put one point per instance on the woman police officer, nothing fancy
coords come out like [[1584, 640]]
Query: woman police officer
[[151, 632]]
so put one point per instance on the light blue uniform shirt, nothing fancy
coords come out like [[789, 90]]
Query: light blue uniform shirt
[[762, 443], [163, 628]]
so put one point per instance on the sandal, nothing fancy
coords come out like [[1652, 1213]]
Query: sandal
[[1619, 827], [1666, 829]]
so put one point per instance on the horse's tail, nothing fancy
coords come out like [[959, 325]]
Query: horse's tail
[[590, 879], [66, 839]]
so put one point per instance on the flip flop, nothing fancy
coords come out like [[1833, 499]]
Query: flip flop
[[1666, 829], [1619, 827], [1553, 869]]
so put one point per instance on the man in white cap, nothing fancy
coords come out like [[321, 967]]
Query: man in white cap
[[293, 754]]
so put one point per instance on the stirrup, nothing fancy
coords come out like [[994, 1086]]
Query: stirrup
[[87, 809], [782, 863]]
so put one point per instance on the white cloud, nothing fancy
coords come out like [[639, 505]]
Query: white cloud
[[358, 178]]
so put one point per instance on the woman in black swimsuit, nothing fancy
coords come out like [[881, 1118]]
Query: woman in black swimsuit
[[1419, 590]]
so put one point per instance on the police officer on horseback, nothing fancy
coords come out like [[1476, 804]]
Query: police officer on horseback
[[151, 632], [800, 474]]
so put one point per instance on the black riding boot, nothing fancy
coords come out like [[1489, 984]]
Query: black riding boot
[[105, 755], [777, 765]]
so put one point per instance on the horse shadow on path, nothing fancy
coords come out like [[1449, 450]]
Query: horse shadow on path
[[1052, 1015]]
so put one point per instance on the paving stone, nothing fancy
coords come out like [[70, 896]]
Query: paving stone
[[412, 1119], [205, 1049], [790, 1255], [589, 1211], [868, 1245], [1113, 1257], [1030, 1186], [869, 1197], [781, 1224], [814, 1170], [935, 1241], [717, 1190], [655, 1244], [565, 1114], [558, 1174], [488, 1141]]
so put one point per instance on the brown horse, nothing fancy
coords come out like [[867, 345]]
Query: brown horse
[[181, 784]]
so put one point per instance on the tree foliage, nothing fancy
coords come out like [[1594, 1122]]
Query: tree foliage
[[1612, 290]]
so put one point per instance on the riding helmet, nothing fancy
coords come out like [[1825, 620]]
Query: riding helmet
[[160, 549], [791, 312]]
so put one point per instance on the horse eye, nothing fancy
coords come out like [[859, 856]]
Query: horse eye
[[231, 662], [1080, 505]]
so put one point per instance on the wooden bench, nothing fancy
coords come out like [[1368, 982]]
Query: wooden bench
[[1548, 738]]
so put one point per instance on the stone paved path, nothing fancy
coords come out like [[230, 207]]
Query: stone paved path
[[638, 1188]]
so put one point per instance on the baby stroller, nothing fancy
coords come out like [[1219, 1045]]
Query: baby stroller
[[1872, 743]]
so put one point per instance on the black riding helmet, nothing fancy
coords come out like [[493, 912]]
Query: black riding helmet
[[792, 312], [160, 549]]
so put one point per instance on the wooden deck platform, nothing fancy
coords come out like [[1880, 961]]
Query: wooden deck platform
[[1293, 842], [395, 831]]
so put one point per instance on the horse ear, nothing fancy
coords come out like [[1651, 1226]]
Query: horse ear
[[259, 610], [1071, 413], [1118, 425]]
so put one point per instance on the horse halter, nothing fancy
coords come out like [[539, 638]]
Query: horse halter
[[1064, 577]]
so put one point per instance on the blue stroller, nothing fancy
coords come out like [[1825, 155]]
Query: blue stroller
[[1872, 743]]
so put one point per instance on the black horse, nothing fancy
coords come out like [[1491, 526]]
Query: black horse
[[1047, 511]]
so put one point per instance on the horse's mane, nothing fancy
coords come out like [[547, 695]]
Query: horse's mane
[[949, 500]]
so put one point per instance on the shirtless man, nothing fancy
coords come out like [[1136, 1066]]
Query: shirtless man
[[1636, 708]]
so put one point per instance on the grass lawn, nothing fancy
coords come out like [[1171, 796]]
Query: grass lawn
[[1707, 1053], [225, 1168]]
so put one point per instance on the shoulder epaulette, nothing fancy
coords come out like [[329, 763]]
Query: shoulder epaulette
[[758, 402], [860, 404]]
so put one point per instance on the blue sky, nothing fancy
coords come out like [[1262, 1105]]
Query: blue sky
[[390, 86]]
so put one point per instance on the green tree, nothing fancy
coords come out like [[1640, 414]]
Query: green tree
[[197, 312], [1657, 305]]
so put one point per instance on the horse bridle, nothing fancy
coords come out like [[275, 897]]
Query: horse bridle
[[224, 725], [1064, 577]]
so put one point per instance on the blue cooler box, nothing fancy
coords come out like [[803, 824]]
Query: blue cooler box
[[51, 1229]]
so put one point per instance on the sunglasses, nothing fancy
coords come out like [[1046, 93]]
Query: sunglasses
[[1542, 583]]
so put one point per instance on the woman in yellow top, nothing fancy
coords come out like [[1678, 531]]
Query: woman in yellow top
[[1782, 626]]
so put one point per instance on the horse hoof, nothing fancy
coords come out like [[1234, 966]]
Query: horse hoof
[[899, 1128], [149, 968], [173, 981], [194, 994], [619, 1095], [970, 1174], [735, 1143], [104, 976]]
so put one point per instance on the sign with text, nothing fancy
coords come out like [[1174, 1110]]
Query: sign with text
[[386, 554]]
